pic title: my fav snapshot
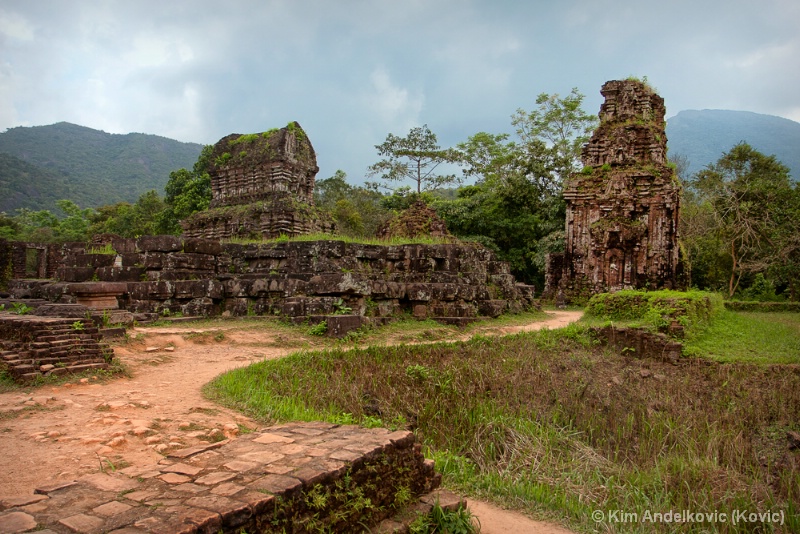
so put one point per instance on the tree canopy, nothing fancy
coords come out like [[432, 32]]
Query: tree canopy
[[414, 158]]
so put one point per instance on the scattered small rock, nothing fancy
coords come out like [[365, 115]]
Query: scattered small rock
[[169, 349], [118, 441], [645, 373], [152, 440], [152, 349]]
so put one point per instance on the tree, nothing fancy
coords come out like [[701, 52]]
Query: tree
[[186, 192], [749, 199], [356, 210], [414, 157], [516, 205], [562, 126]]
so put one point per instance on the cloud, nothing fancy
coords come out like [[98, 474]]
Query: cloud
[[355, 70], [393, 105], [15, 27]]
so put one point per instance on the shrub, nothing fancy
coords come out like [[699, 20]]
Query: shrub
[[656, 309]]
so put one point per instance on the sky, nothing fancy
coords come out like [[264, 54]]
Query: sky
[[352, 71]]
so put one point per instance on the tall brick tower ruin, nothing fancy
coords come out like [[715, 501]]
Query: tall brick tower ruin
[[262, 186], [622, 209]]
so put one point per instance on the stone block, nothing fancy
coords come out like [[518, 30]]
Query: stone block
[[340, 325], [492, 308], [189, 262], [93, 260], [419, 292], [159, 243], [202, 246], [123, 245], [75, 274], [120, 274]]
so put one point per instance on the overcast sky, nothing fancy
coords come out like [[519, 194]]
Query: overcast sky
[[351, 71]]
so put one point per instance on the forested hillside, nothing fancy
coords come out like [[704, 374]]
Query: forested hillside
[[703, 136], [89, 167], [23, 185]]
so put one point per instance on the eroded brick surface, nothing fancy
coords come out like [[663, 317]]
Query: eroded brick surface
[[217, 495], [623, 208]]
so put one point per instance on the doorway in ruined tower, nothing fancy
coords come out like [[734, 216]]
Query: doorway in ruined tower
[[614, 269]]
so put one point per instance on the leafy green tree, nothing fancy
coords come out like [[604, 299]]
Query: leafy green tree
[[130, 220], [516, 205], [75, 226], [186, 192], [414, 157], [356, 210], [750, 207], [562, 126], [8, 226]]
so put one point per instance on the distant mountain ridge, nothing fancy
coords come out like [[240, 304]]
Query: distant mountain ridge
[[42, 164], [704, 135]]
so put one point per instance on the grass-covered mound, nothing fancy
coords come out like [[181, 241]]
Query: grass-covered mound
[[655, 309], [549, 423]]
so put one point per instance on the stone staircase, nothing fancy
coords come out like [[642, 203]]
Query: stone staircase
[[34, 346]]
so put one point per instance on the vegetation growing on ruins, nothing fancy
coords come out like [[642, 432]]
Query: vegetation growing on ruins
[[738, 216], [656, 309], [551, 423]]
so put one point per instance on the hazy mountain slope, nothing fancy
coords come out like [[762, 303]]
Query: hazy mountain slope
[[97, 167], [23, 185], [703, 136]]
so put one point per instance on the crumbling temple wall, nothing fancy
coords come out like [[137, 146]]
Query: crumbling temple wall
[[623, 208], [455, 283], [262, 187]]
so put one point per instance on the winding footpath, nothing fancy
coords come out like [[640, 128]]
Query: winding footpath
[[50, 435]]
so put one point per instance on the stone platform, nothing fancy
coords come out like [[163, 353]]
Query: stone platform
[[298, 477]]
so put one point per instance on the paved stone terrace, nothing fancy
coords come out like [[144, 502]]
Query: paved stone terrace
[[291, 478]]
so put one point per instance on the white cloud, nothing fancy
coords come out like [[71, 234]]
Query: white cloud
[[395, 106], [15, 26]]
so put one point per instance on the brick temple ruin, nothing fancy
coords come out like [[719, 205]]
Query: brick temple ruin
[[262, 186], [622, 209]]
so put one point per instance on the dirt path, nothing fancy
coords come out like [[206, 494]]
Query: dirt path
[[56, 434]]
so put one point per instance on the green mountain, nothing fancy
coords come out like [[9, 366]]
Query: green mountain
[[43, 164], [703, 136]]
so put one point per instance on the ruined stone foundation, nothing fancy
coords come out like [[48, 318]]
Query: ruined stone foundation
[[622, 209], [301, 280]]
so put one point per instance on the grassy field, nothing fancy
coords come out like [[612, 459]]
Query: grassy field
[[552, 425], [748, 337]]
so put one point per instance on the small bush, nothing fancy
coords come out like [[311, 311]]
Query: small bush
[[656, 309], [319, 329]]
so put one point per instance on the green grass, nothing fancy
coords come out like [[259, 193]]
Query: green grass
[[772, 337], [551, 424], [418, 240]]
